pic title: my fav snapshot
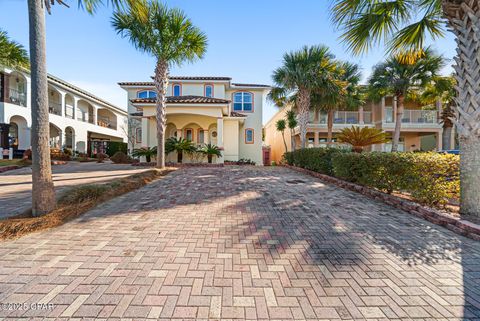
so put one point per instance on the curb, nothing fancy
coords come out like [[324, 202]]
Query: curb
[[457, 225]]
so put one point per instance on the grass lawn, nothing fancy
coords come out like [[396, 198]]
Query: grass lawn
[[6, 162]]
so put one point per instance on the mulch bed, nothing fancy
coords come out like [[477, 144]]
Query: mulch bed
[[75, 202], [456, 224]]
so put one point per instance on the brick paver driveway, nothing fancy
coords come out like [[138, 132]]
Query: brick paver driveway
[[243, 243], [16, 185]]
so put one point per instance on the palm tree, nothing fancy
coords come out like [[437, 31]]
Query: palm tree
[[292, 123], [442, 89], [43, 194], [400, 78], [179, 145], [360, 137], [404, 26], [147, 152], [343, 92], [211, 150], [12, 54], [302, 72], [169, 36], [281, 125]]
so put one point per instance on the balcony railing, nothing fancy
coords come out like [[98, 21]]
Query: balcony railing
[[413, 116], [17, 97], [347, 117], [104, 122], [69, 112], [54, 108]]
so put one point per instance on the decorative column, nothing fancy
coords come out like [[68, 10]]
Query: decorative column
[[438, 137], [382, 110], [64, 96], [75, 103], [316, 139], [220, 137], [145, 123], [179, 133], [361, 121]]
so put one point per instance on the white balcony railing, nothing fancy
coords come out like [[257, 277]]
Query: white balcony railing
[[69, 111], [55, 108], [343, 117], [413, 116], [17, 97]]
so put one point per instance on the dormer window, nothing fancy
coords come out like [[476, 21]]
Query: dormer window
[[177, 90], [147, 94], [243, 101], [208, 90]]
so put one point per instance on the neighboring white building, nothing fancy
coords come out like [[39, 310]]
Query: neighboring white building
[[204, 110], [78, 120]]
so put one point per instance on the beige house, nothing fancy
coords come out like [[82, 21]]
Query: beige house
[[421, 127], [204, 110]]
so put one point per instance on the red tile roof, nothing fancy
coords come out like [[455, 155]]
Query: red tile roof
[[183, 100], [235, 114]]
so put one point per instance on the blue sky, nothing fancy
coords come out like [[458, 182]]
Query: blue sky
[[247, 39]]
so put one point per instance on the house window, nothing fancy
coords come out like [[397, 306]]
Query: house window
[[177, 90], [189, 134], [208, 90], [147, 94], [243, 101], [249, 139], [138, 135], [200, 136]]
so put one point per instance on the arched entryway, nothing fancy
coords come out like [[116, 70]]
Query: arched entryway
[[19, 133], [69, 138], [55, 139]]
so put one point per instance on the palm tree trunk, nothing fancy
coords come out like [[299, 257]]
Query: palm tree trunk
[[398, 122], [447, 137], [330, 116], [464, 20], [284, 141], [161, 85], [292, 137], [43, 193], [303, 114]]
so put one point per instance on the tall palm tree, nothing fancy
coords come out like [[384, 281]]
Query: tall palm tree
[[292, 123], [281, 125], [404, 26], [169, 36], [399, 78], [12, 54], [343, 91], [442, 89], [301, 73], [43, 194]]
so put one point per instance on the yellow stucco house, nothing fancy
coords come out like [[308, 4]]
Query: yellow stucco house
[[421, 129], [204, 110]]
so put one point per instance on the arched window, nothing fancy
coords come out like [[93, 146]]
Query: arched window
[[208, 90], [146, 94], [177, 90], [243, 101]]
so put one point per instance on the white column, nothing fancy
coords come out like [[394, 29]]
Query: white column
[[220, 137], [64, 96], [361, 121], [382, 111], [145, 123], [438, 137], [75, 103]]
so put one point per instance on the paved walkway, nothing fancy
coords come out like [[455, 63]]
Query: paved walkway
[[243, 243], [16, 185]]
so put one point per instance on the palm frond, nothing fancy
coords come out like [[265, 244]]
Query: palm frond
[[12, 54]]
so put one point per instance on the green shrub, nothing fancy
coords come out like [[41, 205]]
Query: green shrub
[[430, 178], [120, 158], [315, 159], [113, 147]]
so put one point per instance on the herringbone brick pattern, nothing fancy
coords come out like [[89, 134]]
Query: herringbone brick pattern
[[243, 243]]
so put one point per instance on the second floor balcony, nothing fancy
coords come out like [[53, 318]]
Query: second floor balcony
[[413, 116], [17, 97], [343, 117]]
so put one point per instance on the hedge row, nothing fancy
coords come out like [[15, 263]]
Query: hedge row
[[430, 178]]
